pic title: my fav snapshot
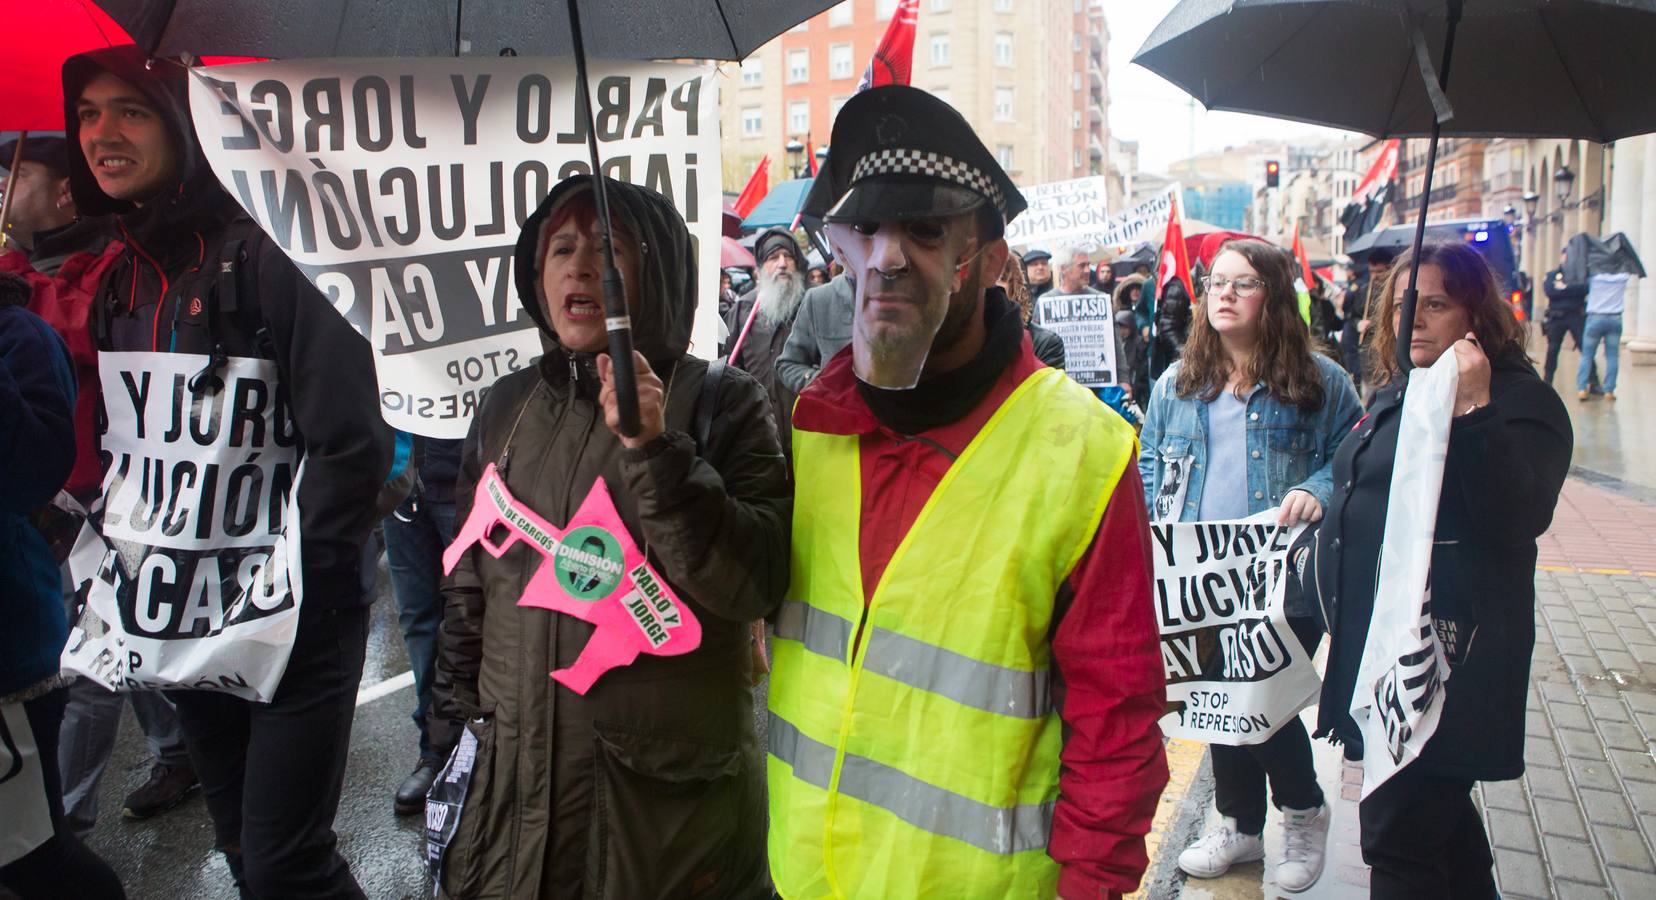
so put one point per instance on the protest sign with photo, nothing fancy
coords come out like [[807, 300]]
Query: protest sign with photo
[[399, 187], [1400, 680], [192, 552], [1086, 323], [1061, 212], [1235, 671]]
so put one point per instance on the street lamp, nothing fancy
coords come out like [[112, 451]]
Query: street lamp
[[822, 157], [796, 152], [1510, 215], [1532, 202], [1563, 184]]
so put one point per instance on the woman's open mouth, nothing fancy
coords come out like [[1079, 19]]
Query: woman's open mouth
[[582, 306]]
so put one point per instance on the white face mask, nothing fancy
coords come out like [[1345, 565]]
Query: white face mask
[[902, 299]]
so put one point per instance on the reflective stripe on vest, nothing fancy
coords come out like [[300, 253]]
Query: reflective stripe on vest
[[914, 747], [962, 679], [925, 806]]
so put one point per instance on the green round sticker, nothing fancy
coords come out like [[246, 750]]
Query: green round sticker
[[589, 563]]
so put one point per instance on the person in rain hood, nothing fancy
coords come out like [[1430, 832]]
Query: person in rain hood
[[650, 784], [967, 675], [197, 276]]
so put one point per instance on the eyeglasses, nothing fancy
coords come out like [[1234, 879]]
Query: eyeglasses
[[1245, 287]]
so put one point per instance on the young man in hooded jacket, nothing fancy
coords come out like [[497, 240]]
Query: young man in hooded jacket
[[198, 277]]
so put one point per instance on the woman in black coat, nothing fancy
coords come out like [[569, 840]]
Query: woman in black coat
[[1509, 451]]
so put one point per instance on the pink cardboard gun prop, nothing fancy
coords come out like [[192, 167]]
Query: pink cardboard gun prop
[[591, 570]]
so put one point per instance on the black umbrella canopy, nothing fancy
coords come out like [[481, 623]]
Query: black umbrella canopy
[[1522, 68], [615, 29]]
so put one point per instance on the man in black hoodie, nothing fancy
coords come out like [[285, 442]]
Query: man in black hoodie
[[198, 277]]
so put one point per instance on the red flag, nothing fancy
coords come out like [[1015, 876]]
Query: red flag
[[895, 54], [810, 157], [1306, 272], [757, 187], [1175, 258]]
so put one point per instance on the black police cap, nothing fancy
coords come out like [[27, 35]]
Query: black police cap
[[898, 153]]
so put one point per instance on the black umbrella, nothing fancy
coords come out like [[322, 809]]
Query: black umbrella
[[632, 29], [1526, 68]]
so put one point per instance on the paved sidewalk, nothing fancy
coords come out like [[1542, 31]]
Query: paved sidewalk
[[1582, 820]]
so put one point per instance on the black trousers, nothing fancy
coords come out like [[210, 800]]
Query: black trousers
[[63, 866], [1423, 838], [1556, 329], [1240, 773], [272, 773]]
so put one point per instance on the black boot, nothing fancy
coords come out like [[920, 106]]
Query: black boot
[[411, 795]]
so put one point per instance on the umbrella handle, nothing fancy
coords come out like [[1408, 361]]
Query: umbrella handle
[[619, 326]]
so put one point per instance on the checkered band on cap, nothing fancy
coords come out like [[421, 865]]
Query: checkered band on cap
[[933, 165]]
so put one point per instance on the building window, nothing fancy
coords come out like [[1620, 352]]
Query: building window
[[1003, 104], [753, 121], [799, 66], [1075, 120], [939, 93], [885, 9], [834, 106], [1078, 158], [840, 15], [1075, 43], [839, 61], [1003, 49], [1003, 5], [799, 116], [940, 5], [940, 49], [1075, 80], [1003, 155], [753, 71]]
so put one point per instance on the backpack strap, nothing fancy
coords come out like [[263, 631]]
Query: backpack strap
[[707, 404]]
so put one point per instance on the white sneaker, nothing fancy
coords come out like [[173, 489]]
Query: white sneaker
[[1219, 849], [1305, 835]]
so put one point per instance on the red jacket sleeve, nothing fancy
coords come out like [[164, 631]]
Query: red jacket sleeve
[[1110, 692]]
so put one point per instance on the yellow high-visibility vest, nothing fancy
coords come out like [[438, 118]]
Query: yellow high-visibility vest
[[914, 747]]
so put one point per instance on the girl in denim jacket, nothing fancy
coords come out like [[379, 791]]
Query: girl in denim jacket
[[1248, 421]]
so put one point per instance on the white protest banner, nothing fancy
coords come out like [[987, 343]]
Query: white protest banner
[[1086, 323], [1399, 693], [1235, 670], [192, 553], [399, 187], [1144, 222], [22, 787], [1061, 211]]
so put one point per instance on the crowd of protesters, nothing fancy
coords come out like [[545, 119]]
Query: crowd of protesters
[[950, 713]]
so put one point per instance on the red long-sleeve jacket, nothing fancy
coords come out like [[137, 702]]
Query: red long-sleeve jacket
[[1109, 686]]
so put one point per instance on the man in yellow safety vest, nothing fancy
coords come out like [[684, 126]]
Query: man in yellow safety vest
[[967, 671]]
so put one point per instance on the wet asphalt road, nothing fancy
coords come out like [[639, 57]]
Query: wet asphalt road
[[171, 856]]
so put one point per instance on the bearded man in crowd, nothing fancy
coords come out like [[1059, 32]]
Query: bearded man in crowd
[[778, 287]]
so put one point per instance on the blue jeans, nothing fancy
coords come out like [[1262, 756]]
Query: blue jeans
[[414, 556], [1600, 328]]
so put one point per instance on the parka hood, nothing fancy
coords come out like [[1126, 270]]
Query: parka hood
[[666, 290], [165, 84]]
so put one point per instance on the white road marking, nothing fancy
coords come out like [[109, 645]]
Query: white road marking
[[385, 688]]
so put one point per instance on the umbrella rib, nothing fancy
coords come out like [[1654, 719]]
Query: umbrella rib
[[93, 20], [1397, 97], [735, 51], [1569, 75]]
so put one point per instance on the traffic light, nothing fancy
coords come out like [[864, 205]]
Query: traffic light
[[1273, 173]]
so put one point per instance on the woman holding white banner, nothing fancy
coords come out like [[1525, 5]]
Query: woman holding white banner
[[1508, 453], [1249, 420]]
